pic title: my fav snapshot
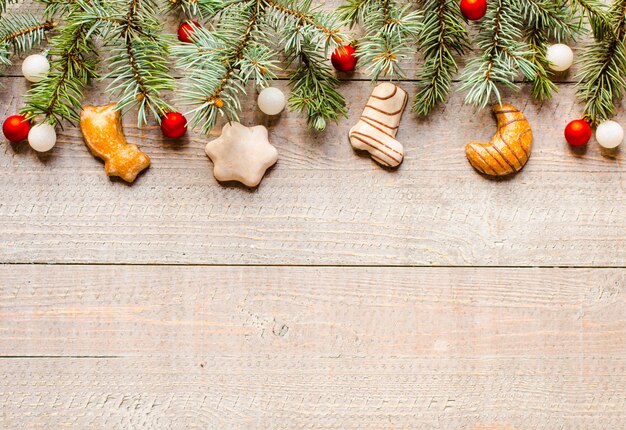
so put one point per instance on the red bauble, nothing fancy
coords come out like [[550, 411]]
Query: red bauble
[[16, 128], [578, 132], [174, 125], [185, 31], [344, 58], [473, 9]]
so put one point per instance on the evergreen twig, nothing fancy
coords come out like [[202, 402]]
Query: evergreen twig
[[20, 33], [239, 50], [442, 35], [389, 28], [58, 97], [503, 55], [602, 74]]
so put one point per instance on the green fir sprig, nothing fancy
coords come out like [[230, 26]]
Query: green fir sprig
[[503, 55], [241, 49], [72, 59], [194, 8], [138, 54], [602, 73], [545, 21], [20, 33], [442, 37], [390, 30]]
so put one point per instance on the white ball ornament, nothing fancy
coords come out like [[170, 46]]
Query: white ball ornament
[[35, 67], [271, 101], [609, 134], [560, 57], [42, 137]]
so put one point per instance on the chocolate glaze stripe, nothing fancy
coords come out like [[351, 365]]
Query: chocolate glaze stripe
[[507, 111], [357, 135], [377, 128], [486, 148], [380, 160], [483, 160], [528, 130], [383, 112], [505, 158], [395, 90], [379, 122], [508, 146]]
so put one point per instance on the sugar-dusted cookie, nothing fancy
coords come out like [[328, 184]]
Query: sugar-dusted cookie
[[509, 148], [102, 130], [376, 130], [241, 154]]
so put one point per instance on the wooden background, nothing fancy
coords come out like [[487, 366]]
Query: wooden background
[[337, 295]]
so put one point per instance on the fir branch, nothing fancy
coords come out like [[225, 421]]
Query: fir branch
[[503, 57], [602, 76], [20, 33], [542, 84], [194, 8], [389, 30], [544, 20], [58, 97], [314, 90], [442, 35], [138, 54], [216, 81], [241, 49], [595, 12]]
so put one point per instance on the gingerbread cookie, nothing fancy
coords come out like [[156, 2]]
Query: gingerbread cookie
[[376, 130], [241, 154], [509, 149], [102, 130]]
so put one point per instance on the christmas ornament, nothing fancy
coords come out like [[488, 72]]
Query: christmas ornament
[[16, 128], [509, 148], [241, 154], [473, 9], [376, 130], [609, 134], [42, 137], [35, 67], [186, 29], [102, 130], [344, 58], [174, 125], [560, 57], [271, 101], [577, 132]]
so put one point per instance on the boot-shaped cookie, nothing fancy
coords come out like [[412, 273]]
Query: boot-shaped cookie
[[102, 130], [376, 130]]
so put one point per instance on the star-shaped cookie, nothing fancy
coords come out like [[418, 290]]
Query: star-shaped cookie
[[241, 154]]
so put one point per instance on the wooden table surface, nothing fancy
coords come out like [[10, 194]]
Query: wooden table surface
[[336, 295]]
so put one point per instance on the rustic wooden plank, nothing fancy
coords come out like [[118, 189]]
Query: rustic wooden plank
[[322, 203], [344, 348], [469, 312]]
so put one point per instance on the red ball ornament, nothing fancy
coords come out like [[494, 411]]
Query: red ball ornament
[[344, 58], [578, 132], [174, 125], [473, 9], [186, 29], [16, 128]]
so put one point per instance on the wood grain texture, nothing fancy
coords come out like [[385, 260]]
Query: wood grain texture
[[344, 348], [322, 203]]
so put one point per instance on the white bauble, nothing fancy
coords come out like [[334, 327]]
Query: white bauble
[[271, 101], [35, 67], [609, 134], [560, 57], [42, 137]]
